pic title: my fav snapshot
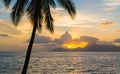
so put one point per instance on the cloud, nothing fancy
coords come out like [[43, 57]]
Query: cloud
[[7, 27], [94, 45], [108, 13], [41, 39], [4, 35], [91, 40], [64, 38], [112, 2], [47, 44], [111, 5], [107, 23], [105, 43], [117, 40], [108, 9], [117, 30], [85, 21], [58, 9], [44, 43]]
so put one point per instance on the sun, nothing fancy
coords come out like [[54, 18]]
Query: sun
[[73, 45]]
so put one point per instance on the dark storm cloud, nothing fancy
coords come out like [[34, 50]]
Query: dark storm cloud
[[41, 39], [64, 38], [94, 44], [89, 39]]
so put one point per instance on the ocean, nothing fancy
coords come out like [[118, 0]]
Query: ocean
[[62, 63]]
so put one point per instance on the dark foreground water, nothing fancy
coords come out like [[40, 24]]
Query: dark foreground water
[[62, 63]]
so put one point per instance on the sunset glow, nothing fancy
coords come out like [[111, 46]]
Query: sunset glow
[[73, 45], [100, 27]]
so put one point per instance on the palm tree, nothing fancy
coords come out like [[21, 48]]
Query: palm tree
[[37, 10]]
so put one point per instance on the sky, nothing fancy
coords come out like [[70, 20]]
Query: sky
[[97, 20]]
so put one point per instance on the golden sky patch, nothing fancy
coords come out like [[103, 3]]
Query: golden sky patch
[[73, 45]]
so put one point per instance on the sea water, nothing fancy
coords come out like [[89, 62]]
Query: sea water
[[62, 63]]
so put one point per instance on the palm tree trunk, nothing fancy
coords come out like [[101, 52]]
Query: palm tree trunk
[[24, 71]]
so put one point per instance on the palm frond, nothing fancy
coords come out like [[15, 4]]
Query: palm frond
[[30, 10], [48, 17], [7, 3], [18, 11], [34, 11], [39, 27], [49, 21], [38, 10], [52, 3], [69, 6]]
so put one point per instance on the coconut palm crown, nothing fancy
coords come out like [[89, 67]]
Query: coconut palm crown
[[37, 10]]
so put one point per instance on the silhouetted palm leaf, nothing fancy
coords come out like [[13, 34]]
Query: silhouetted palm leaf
[[52, 3], [7, 3], [48, 16], [69, 6], [18, 10], [34, 11]]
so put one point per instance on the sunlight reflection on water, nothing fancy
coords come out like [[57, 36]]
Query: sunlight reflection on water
[[63, 63]]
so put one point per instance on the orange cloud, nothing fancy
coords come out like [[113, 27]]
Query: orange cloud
[[108, 9], [107, 23], [117, 30]]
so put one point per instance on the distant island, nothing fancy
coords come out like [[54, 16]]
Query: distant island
[[93, 48]]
